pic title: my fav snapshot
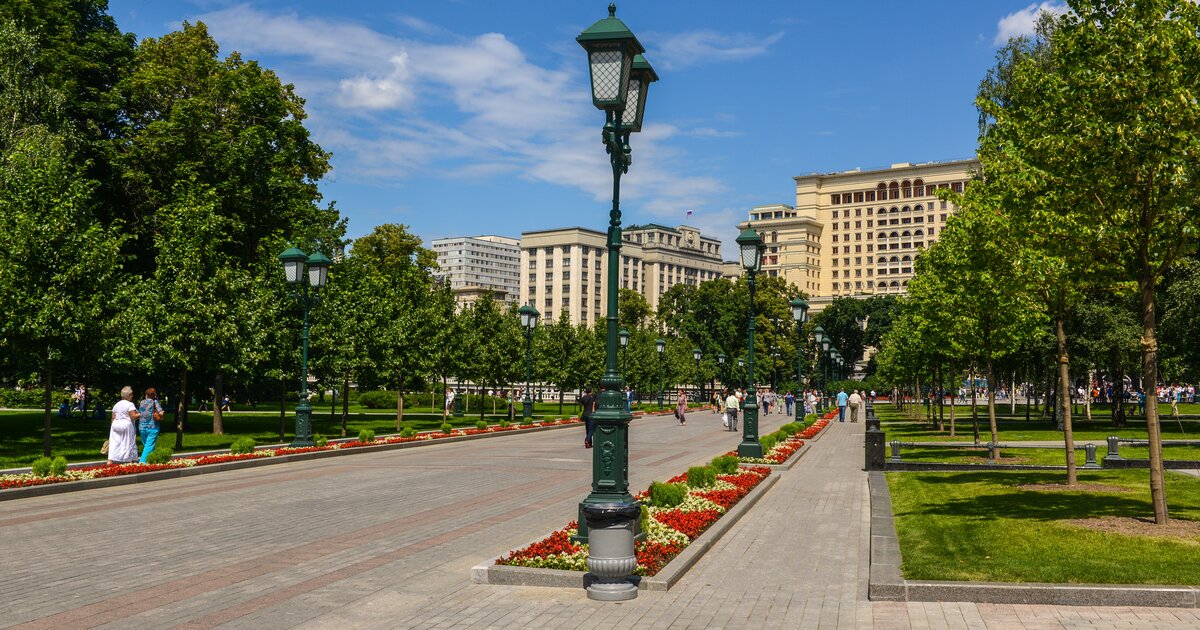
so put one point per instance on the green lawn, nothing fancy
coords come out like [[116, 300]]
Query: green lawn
[[900, 428], [981, 526], [1035, 456], [79, 440]]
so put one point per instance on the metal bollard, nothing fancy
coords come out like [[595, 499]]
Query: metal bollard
[[1114, 446], [1090, 455], [895, 458], [611, 556]]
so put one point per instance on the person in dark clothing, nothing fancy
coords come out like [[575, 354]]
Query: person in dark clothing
[[588, 401]]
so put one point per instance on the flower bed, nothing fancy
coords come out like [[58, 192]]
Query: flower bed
[[99, 472], [668, 530]]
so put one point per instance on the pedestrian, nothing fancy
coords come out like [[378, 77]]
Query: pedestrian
[[225, 403], [681, 408], [628, 399], [149, 413], [842, 400], [1175, 392], [731, 410], [810, 403], [122, 437], [588, 403], [855, 402], [789, 400], [1141, 399], [449, 403]]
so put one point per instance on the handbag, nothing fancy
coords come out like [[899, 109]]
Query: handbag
[[104, 448], [676, 414]]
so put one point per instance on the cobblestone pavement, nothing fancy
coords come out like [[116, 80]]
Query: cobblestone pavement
[[387, 540]]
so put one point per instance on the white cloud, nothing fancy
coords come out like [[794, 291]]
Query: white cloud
[[1024, 21], [685, 49], [388, 92]]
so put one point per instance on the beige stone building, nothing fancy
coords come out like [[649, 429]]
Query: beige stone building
[[857, 233], [567, 269]]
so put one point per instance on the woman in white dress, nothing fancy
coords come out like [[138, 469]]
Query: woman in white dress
[[122, 435]]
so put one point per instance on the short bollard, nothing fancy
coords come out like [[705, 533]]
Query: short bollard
[[1114, 448], [875, 448], [1089, 451], [895, 458], [611, 558]]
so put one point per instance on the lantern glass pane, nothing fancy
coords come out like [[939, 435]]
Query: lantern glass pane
[[629, 116], [292, 270], [609, 73], [749, 256], [314, 276]]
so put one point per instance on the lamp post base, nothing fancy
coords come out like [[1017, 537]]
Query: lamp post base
[[303, 437], [750, 446]]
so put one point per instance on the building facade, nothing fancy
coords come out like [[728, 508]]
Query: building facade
[[857, 233], [567, 269], [476, 266]]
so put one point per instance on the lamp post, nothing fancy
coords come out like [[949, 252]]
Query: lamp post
[[529, 319], [742, 371], [623, 337], [304, 272], [660, 345], [721, 368], [696, 358], [800, 314], [620, 78], [825, 371], [750, 245]]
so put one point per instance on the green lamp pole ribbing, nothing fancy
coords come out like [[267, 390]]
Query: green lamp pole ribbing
[[621, 78], [660, 345], [750, 245], [304, 272], [800, 314]]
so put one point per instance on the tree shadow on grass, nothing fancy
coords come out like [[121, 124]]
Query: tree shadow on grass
[[1004, 500]]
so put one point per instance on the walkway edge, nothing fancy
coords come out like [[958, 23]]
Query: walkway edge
[[888, 584], [175, 473], [666, 578]]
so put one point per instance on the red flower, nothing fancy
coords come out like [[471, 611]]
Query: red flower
[[690, 524]]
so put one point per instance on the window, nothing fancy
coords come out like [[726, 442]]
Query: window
[[894, 190], [870, 195], [835, 238], [858, 197], [870, 222], [957, 187], [835, 199], [858, 212], [857, 249]]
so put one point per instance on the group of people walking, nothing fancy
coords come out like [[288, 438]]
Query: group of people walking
[[123, 435]]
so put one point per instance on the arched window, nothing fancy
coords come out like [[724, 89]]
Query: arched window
[[904, 284], [906, 258], [918, 233], [774, 237], [905, 209], [895, 235], [906, 186], [906, 233], [895, 210], [894, 190], [919, 187], [895, 259], [882, 188], [895, 284], [882, 235], [917, 208]]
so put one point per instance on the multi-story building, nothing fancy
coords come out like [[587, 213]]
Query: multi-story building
[[567, 269], [479, 265], [857, 233]]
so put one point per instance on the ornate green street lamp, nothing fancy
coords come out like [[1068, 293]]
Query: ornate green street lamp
[[623, 337], [721, 368], [621, 77], [660, 346], [699, 385], [529, 319], [304, 272], [800, 314], [825, 372], [742, 371], [750, 244]]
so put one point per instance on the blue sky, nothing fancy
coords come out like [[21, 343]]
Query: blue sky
[[466, 117]]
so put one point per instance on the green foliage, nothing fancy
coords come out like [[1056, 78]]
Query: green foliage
[[320, 440], [366, 435], [377, 399], [527, 422], [42, 466], [810, 419], [725, 464], [447, 428], [768, 442], [790, 429], [667, 494], [482, 425], [701, 476], [26, 398], [644, 518], [504, 424], [161, 455], [242, 445], [408, 432], [59, 466]]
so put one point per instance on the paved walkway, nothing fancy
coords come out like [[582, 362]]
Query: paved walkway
[[387, 540]]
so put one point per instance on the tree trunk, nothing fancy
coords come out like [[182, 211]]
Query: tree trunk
[[282, 407], [345, 403], [1063, 387], [1118, 412], [974, 407], [561, 395], [1158, 493], [218, 427], [991, 403], [48, 380], [84, 406], [1012, 395], [952, 427], [1087, 396], [400, 404], [181, 410]]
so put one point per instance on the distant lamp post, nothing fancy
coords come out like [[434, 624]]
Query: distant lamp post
[[621, 78], [721, 368], [828, 359], [696, 358], [750, 245], [742, 370], [623, 336], [529, 319], [800, 315], [304, 272], [660, 346]]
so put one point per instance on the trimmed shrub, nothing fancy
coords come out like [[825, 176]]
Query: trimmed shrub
[[528, 422], [320, 440], [366, 435], [790, 429], [482, 425], [161, 455], [644, 519], [701, 476], [377, 399], [28, 398], [768, 442], [242, 445], [725, 464], [667, 494], [504, 424], [42, 466], [447, 428], [810, 418], [408, 432], [59, 466]]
